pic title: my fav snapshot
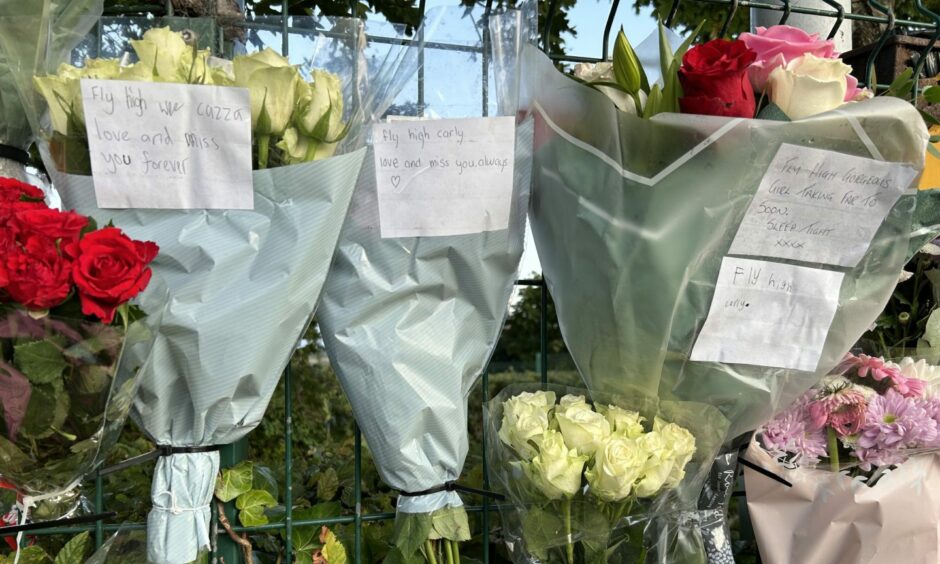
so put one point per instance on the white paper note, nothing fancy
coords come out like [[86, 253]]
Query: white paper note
[[444, 177], [175, 146], [820, 206], [768, 314]]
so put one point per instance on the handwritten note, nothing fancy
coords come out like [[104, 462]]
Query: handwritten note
[[176, 146], [819, 206], [768, 314], [444, 177]]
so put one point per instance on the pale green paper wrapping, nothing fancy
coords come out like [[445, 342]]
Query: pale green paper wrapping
[[632, 217], [243, 285], [410, 324]]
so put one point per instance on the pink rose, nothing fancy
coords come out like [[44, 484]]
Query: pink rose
[[778, 45]]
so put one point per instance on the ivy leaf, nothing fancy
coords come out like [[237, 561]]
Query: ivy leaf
[[11, 457], [233, 482], [333, 551], [28, 555], [251, 506], [40, 361], [327, 484], [262, 478], [411, 530], [74, 551], [305, 538]]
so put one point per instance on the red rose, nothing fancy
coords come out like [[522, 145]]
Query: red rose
[[111, 269], [12, 190], [714, 79], [51, 223], [37, 276]]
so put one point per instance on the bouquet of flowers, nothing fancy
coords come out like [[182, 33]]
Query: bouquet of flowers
[[410, 322], [266, 264], [638, 195], [65, 321], [30, 32], [293, 120], [584, 476], [858, 448]]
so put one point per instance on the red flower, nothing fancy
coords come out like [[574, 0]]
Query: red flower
[[714, 79], [110, 270], [51, 223], [12, 190], [37, 276]]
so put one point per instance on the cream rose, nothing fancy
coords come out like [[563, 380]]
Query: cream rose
[[63, 93], [583, 428], [617, 465], [623, 421], [556, 471], [525, 419], [658, 466], [808, 85], [681, 443]]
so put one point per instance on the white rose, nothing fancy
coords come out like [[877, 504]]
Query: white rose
[[682, 444], [808, 85], [617, 465], [658, 467], [525, 418], [583, 428], [557, 470], [623, 421]]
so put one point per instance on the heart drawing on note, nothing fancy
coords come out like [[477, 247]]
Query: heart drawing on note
[[396, 180]]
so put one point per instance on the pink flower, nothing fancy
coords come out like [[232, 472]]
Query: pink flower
[[791, 432], [877, 369], [778, 45], [894, 423], [840, 406]]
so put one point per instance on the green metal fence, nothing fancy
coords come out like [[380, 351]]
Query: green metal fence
[[232, 454]]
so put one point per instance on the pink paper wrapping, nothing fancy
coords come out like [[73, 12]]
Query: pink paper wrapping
[[829, 518]]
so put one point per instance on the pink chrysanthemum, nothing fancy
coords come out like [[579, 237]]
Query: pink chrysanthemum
[[873, 368], [893, 424], [839, 406], [792, 433]]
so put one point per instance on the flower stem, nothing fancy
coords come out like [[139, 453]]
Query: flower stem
[[449, 550], [456, 546], [263, 142], [429, 549], [569, 546], [833, 449], [312, 147]]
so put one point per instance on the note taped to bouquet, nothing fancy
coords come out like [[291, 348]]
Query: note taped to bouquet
[[444, 177], [768, 314], [171, 146], [820, 206]]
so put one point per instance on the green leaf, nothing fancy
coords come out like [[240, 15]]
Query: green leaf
[[450, 523], [411, 530], [541, 531], [74, 551], [262, 478], [28, 555], [929, 119], [665, 50], [233, 482], [653, 102], [11, 457], [40, 361], [902, 85], [772, 112], [47, 410], [932, 94], [595, 530], [327, 484], [307, 538], [251, 506]]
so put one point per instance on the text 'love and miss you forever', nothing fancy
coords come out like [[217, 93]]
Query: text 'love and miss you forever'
[[172, 146]]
